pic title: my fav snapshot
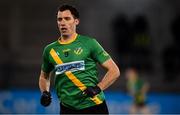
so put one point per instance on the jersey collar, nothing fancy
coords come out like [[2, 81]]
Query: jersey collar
[[70, 41]]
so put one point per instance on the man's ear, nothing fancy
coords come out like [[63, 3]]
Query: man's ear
[[76, 21]]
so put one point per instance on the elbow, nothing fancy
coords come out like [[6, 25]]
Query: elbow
[[117, 73]]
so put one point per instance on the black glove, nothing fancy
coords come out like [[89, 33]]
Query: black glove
[[46, 98], [92, 91]]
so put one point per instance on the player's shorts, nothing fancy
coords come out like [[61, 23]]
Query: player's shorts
[[97, 109]]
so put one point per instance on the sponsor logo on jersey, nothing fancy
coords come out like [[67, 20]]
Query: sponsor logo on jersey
[[58, 53], [78, 51], [71, 66]]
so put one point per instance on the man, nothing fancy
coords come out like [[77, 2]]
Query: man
[[73, 58], [137, 89]]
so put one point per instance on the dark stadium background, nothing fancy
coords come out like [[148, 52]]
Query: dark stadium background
[[27, 26]]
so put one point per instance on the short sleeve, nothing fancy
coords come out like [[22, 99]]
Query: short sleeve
[[46, 65], [98, 53]]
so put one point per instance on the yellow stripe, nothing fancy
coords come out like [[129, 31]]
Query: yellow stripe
[[72, 77], [55, 56], [75, 80], [96, 100]]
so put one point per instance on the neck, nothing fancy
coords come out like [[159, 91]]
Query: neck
[[67, 39]]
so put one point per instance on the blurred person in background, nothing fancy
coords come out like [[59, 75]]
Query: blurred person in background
[[137, 88], [122, 34], [141, 44], [73, 58], [122, 37]]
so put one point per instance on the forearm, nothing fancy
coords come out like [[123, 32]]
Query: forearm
[[145, 88], [109, 78], [44, 82]]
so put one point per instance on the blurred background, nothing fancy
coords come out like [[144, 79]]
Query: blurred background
[[144, 34]]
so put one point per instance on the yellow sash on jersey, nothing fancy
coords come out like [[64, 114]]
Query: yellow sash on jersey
[[72, 77]]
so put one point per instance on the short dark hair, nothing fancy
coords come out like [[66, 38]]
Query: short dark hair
[[72, 9]]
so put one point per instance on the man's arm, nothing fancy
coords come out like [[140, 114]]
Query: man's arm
[[145, 88], [44, 85], [111, 76], [44, 81]]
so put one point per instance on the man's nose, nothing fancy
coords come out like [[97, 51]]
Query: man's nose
[[63, 22]]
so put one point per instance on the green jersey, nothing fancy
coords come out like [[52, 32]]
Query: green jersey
[[136, 90], [75, 69]]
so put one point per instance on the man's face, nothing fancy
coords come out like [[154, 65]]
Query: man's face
[[66, 23], [130, 74]]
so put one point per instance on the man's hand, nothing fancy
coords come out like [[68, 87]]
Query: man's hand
[[92, 91], [46, 98]]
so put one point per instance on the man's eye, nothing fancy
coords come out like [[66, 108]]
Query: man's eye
[[59, 19], [67, 18]]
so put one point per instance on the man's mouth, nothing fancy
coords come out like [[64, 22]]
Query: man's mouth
[[63, 29]]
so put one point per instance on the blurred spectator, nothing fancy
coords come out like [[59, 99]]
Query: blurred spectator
[[133, 42], [141, 44], [171, 54], [137, 88], [121, 34]]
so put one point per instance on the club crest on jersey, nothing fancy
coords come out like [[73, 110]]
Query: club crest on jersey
[[66, 52], [70, 66], [78, 51]]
